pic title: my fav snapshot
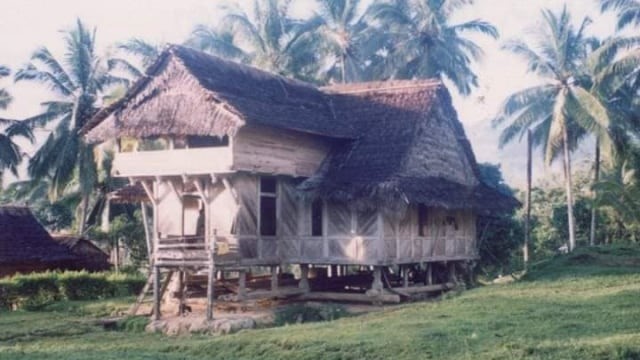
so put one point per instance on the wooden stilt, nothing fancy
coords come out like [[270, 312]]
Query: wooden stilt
[[405, 276], [182, 289], [242, 285], [304, 277], [429, 279], [212, 276], [377, 279], [210, 290], [452, 273], [156, 293], [274, 278]]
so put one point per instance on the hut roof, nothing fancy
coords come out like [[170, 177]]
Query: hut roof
[[23, 239], [187, 92], [400, 139], [71, 242], [412, 148], [128, 194]]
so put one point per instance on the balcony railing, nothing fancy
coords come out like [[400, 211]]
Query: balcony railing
[[173, 162]]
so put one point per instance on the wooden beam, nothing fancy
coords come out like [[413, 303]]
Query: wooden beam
[[426, 288], [173, 188], [156, 293], [352, 297], [233, 192], [148, 189]]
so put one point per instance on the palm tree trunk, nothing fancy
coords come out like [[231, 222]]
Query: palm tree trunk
[[343, 67], [596, 176], [82, 216], [527, 222], [568, 183]]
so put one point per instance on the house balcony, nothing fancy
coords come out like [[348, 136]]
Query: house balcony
[[174, 162]]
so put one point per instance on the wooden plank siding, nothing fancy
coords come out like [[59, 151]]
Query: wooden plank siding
[[280, 152]]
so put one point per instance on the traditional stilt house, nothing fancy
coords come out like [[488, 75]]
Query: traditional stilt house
[[275, 171]]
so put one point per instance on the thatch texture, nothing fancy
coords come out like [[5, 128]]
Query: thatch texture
[[187, 92], [412, 149], [90, 257], [26, 246], [395, 141]]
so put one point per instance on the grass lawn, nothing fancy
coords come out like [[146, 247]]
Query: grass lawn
[[581, 306]]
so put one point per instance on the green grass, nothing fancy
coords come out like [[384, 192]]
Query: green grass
[[582, 306]]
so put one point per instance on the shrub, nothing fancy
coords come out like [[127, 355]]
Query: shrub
[[84, 286], [34, 291]]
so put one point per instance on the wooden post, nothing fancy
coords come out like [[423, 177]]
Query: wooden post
[[181, 289], [304, 277], [429, 274], [212, 276], [377, 285], [147, 236], [405, 276], [156, 293], [527, 220], [274, 278], [242, 285], [452, 272]]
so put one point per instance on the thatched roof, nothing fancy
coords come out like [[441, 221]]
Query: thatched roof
[[74, 242], [399, 140], [413, 148], [24, 240], [128, 194], [187, 92]]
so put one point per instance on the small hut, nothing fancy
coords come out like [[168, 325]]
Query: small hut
[[25, 246], [90, 257], [244, 169]]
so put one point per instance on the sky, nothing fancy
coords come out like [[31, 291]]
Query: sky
[[26, 25]]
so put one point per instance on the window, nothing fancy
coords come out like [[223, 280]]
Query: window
[[195, 141], [423, 220], [316, 218], [268, 195]]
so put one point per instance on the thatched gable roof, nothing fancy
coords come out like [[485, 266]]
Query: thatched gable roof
[[413, 149], [402, 140], [187, 92], [24, 240]]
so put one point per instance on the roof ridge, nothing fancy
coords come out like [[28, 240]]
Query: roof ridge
[[380, 86]]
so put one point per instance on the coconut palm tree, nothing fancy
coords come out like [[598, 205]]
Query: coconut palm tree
[[613, 68], [561, 111], [628, 11], [266, 38], [345, 37], [10, 153], [143, 52], [427, 45], [76, 82], [5, 97]]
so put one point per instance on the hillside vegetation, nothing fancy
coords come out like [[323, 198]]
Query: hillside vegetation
[[580, 306]]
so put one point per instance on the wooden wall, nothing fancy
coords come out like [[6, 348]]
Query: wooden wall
[[279, 152], [350, 235]]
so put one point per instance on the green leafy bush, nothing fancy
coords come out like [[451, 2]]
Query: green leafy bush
[[84, 286], [34, 291]]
